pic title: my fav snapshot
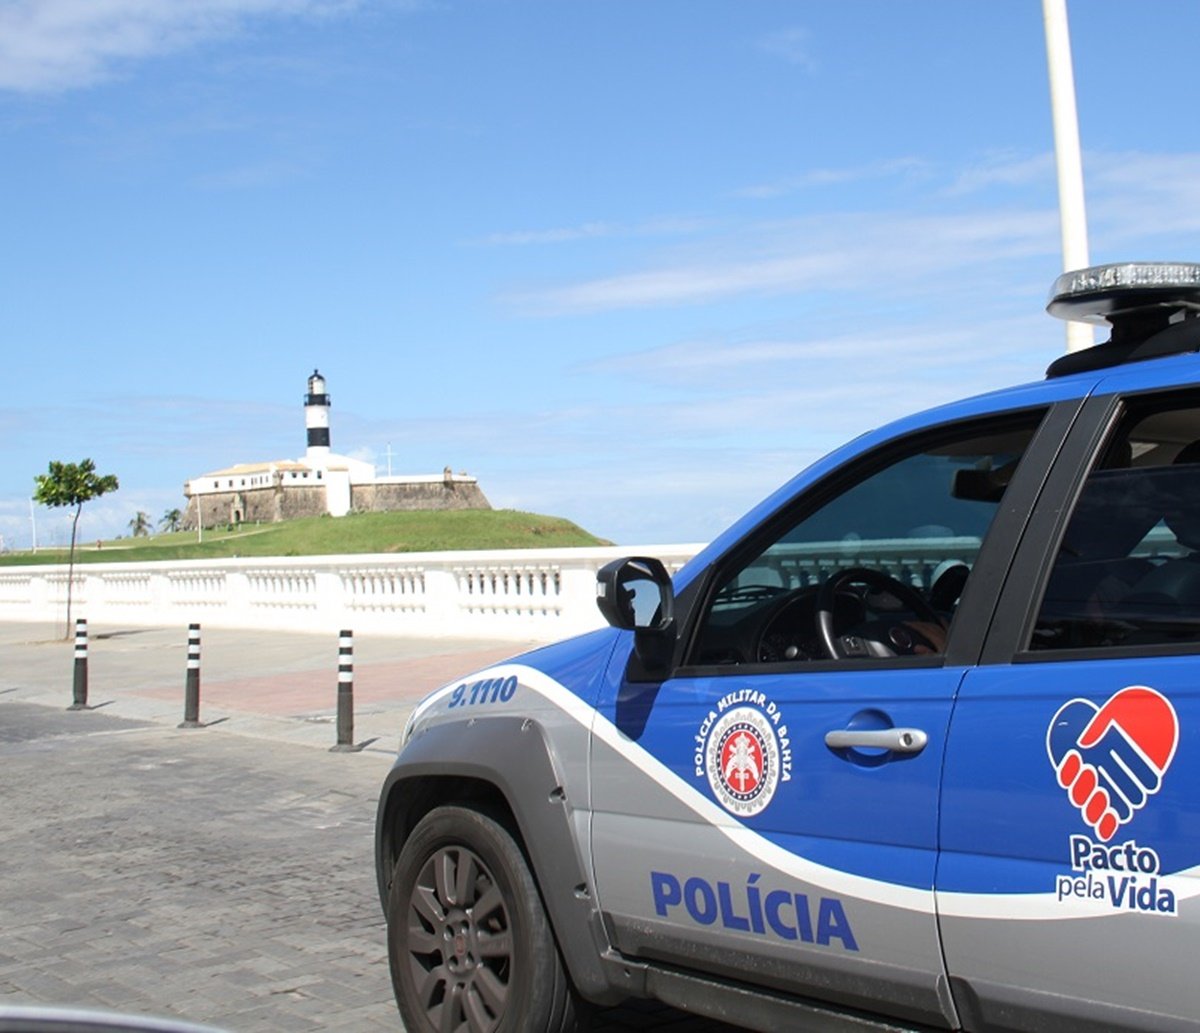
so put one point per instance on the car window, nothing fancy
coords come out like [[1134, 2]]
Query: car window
[[1127, 572], [880, 563]]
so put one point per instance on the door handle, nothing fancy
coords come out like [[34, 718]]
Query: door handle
[[898, 740]]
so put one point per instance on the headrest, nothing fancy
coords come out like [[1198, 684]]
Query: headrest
[[1182, 509]]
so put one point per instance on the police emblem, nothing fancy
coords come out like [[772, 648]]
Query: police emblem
[[741, 758]]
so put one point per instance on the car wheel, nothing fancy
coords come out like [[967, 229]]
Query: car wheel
[[469, 943]]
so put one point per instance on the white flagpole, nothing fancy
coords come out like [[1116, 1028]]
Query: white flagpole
[[1072, 216]]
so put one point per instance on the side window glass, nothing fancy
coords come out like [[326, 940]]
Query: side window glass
[[874, 569], [1127, 571]]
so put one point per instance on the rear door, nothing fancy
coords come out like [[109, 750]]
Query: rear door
[[1067, 885]]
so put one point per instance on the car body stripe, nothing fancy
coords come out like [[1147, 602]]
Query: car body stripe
[[1014, 906]]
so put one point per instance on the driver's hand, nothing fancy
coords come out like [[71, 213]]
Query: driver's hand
[[931, 633]]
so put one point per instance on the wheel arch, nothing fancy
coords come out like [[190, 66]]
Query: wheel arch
[[503, 767]]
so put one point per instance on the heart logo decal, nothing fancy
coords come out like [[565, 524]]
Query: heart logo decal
[[1111, 758]]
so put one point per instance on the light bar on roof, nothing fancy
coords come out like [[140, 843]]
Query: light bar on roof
[[1095, 294]]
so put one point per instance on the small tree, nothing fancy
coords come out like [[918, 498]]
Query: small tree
[[139, 526], [171, 520], [71, 484]]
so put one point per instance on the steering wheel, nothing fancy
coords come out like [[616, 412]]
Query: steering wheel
[[878, 581]]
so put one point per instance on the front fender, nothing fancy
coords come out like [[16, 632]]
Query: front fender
[[503, 761]]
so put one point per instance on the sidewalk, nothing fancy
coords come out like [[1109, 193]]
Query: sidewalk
[[263, 684]]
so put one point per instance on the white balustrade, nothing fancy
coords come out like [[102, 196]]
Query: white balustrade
[[530, 594], [19, 589]]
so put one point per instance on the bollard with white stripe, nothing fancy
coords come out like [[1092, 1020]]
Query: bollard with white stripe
[[80, 687], [191, 691], [345, 695]]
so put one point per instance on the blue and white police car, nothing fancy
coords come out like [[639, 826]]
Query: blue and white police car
[[912, 745]]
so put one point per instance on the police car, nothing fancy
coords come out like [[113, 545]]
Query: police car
[[912, 745]]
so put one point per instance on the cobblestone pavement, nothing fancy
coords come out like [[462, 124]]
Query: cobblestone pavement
[[216, 879], [196, 874]]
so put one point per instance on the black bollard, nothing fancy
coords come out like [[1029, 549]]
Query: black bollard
[[80, 688], [345, 695], [191, 691]]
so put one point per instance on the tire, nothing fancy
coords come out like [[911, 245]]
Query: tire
[[469, 943]]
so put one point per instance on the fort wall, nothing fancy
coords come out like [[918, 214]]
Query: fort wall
[[386, 498], [253, 506], [271, 504]]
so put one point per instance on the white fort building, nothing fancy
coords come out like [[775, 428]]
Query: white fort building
[[319, 483]]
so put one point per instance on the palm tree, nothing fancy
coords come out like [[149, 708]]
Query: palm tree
[[171, 520], [140, 525]]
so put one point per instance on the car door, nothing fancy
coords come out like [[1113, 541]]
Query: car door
[[768, 813], [1067, 885]]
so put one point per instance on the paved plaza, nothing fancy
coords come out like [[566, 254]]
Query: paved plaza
[[220, 875]]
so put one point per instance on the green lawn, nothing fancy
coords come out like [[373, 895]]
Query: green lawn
[[434, 531]]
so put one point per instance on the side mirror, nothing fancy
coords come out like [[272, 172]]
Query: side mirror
[[635, 594]]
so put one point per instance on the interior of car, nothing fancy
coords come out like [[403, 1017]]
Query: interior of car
[[1128, 567], [876, 570]]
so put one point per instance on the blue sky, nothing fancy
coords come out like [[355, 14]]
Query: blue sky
[[633, 262]]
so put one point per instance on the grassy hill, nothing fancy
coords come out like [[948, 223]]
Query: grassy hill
[[322, 536]]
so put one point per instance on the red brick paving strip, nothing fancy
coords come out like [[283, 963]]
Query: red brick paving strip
[[303, 692]]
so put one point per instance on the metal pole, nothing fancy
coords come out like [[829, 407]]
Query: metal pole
[[191, 690], [1072, 215], [345, 694], [80, 688]]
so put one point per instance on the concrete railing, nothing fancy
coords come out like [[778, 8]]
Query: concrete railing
[[538, 594]]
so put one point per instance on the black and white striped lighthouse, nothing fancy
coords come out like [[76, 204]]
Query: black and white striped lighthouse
[[316, 420]]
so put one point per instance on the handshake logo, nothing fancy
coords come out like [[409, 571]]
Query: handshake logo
[[1111, 759]]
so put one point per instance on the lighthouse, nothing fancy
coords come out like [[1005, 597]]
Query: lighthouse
[[321, 482], [316, 421]]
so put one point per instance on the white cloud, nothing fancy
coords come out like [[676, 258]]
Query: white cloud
[[1135, 200], [794, 45], [817, 253], [891, 168], [253, 175], [557, 235], [56, 45], [667, 226], [723, 365], [1004, 170], [696, 283], [1130, 196]]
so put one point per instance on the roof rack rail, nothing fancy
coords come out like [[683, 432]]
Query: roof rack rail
[[1151, 306]]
